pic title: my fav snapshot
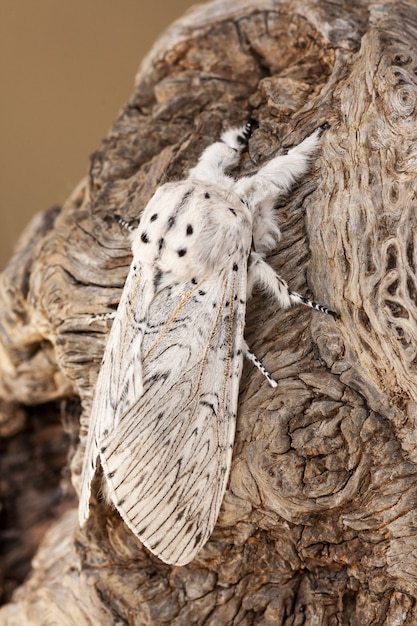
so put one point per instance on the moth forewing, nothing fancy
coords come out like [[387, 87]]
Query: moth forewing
[[168, 460], [163, 417], [120, 378]]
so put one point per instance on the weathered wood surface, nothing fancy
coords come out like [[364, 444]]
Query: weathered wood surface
[[318, 524], [35, 487]]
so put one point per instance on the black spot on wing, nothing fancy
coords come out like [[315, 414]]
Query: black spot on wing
[[189, 230], [182, 252], [235, 267], [207, 195], [154, 217], [144, 237], [171, 221], [161, 243], [232, 211]]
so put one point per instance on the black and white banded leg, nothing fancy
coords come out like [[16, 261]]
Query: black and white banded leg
[[258, 363], [262, 274], [297, 299], [100, 317], [125, 224]]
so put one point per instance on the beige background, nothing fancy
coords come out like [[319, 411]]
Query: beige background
[[65, 70]]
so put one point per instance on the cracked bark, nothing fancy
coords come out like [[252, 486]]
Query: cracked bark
[[318, 522]]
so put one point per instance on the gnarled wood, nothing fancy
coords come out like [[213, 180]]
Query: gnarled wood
[[318, 523]]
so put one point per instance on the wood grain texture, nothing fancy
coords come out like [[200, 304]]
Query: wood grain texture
[[318, 522]]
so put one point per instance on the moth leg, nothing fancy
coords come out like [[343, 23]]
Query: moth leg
[[258, 363], [222, 156], [262, 274], [125, 224], [100, 317], [296, 298]]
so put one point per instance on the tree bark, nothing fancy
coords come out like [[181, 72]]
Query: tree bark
[[318, 522]]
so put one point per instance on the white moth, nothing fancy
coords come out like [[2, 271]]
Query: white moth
[[163, 418]]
